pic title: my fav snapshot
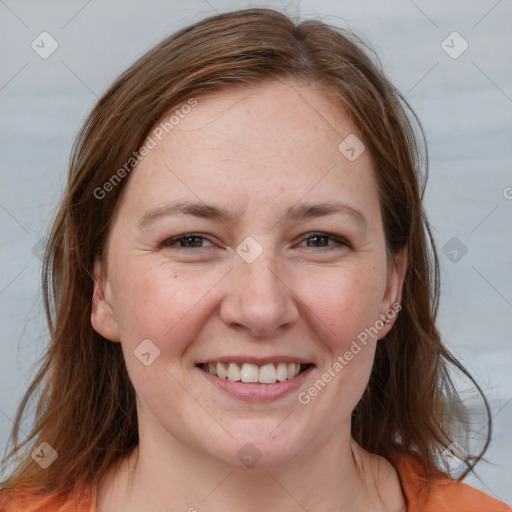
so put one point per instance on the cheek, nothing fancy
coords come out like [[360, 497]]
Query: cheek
[[345, 304], [160, 305], [160, 302], [346, 300]]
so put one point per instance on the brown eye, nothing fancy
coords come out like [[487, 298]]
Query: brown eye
[[186, 241], [322, 240]]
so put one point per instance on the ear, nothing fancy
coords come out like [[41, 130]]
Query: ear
[[390, 304], [102, 314]]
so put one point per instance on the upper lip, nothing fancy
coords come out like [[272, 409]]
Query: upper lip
[[259, 361]]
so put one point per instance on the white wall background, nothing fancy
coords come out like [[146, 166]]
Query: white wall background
[[465, 104]]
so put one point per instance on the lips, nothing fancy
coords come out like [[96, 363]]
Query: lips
[[256, 392]]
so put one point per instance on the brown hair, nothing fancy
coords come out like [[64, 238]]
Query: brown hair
[[86, 403]]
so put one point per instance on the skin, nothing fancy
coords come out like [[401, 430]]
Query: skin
[[255, 151]]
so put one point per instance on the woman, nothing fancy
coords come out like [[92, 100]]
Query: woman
[[240, 292]]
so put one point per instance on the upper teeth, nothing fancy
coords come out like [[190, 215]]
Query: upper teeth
[[266, 374]]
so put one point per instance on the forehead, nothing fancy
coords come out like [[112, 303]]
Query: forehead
[[241, 117], [267, 142]]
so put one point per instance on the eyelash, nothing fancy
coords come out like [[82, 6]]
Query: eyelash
[[170, 242]]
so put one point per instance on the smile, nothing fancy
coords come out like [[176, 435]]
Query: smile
[[252, 373], [256, 383]]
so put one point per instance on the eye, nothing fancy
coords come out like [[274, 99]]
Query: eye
[[186, 241], [323, 238]]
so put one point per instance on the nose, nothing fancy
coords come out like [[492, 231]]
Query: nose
[[258, 299]]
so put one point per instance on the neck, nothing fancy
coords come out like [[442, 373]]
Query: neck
[[323, 478]]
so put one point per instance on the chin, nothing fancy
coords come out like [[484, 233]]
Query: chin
[[259, 449]]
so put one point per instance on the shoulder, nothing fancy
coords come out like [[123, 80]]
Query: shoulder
[[15, 501], [441, 495], [22, 501]]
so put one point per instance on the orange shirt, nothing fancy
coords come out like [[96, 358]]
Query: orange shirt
[[43, 503], [445, 495]]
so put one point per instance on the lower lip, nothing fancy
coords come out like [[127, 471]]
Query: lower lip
[[255, 392]]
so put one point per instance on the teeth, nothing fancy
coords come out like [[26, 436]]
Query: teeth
[[282, 372], [266, 374], [233, 372], [222, 372], [249, 373]]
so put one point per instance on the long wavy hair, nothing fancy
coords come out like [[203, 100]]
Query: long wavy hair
[[86, 407]]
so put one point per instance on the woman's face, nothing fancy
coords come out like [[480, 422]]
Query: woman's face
[[284, 263]]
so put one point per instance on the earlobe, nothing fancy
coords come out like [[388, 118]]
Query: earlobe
[[390, 304], [102, 314], [398, 270]]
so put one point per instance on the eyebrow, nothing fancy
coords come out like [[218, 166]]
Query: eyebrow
[[212, 212]]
